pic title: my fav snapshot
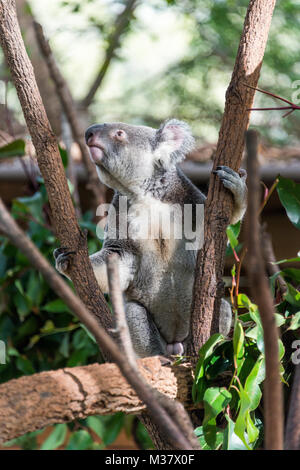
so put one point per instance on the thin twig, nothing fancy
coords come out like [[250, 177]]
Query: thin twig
[[273, 399], [118, 308], [292, 107], [121, 24]]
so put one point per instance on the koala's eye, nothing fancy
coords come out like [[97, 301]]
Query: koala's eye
[[120, 135]]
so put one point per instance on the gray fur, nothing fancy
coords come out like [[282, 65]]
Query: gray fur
[[157, 275]]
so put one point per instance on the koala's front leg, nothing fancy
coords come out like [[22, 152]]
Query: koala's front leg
[[236, 183], [225, 318], [145, 337], [98, 260]]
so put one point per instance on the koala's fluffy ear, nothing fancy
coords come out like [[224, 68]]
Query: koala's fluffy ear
[[173, 140]]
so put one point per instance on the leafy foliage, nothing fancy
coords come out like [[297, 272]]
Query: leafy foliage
[[40, 331], [230, 372]]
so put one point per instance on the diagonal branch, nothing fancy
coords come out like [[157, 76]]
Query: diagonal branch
[[174, 434], [208, 286], [121, 24]]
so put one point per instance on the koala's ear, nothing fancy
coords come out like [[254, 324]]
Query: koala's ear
[[173, 140]]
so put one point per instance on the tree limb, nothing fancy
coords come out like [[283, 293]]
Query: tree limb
[[292, 431], [113, 43], [39, 400], [273, 397], [208, 286], [65, 96]]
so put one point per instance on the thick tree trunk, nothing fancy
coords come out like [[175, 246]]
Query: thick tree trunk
[[36, 401], [208, 287]]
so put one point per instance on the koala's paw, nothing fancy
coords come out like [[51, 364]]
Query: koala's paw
[[225, 319], [235, 182], [63, 258], [175, 349]]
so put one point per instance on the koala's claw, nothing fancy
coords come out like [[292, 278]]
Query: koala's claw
[[232, 180], [62, 259], [175, 349]]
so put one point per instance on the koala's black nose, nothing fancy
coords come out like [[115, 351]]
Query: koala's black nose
[[92, 131]]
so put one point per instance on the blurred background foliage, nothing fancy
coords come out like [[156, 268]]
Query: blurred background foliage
[[175, 59]]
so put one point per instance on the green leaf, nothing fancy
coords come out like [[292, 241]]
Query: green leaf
[[106, 427], [295, 322], [241, 422], [206, 350], [24, 365], [289, 195], [291, 273], [56, 438], [13, 149], [238, 340], [233, 232], [230, 440], [80, 440], [254, 379], [56, 306], [204, 446], [292, 295], [215, 399], [289, 260]]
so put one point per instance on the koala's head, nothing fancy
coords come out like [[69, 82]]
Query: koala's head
[[127, 155]]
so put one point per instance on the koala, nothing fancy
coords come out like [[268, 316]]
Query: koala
[[156, 273]]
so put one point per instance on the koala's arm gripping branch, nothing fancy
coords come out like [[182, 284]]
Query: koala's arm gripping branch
[[208, 287]]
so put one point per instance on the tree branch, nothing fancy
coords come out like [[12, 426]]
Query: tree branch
[[273, 398], [292, 431], [113, 43], [39, 400], [208, 286], [69, 108]]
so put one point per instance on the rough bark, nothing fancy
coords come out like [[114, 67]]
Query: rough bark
[[261, 295], [33, 402], [208, 286], [45, 84], [68, 105], [292, 432], [50, 163]]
